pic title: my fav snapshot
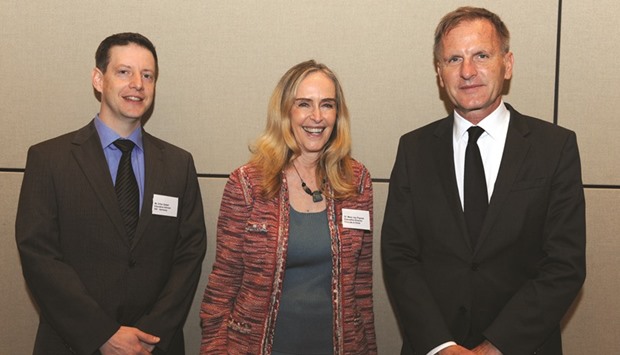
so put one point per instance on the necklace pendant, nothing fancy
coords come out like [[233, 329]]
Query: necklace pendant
[[316, 196]]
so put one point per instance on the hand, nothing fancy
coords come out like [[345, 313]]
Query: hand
[[455, 350], [129, 341], [486, 348]]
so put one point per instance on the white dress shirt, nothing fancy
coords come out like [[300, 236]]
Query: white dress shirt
[[491, 144]]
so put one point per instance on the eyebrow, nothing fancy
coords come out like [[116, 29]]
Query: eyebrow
[[322, 100], [128, 66]]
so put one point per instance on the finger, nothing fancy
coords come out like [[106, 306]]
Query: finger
[[147, 338]]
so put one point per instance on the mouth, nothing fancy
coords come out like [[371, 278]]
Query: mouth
[[314, 130], [471, 87], [133, 98]]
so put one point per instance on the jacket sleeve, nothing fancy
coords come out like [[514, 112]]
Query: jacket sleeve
[[541, 302], [62, 299], [168, 314], [364, 275], [225, 278]]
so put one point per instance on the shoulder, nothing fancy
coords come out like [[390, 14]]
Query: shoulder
[[429, 131], [359, 170], [61, 144], [536, 128], [363, 180], [166, 147], [249, 172], [55, 143], [247, 178]]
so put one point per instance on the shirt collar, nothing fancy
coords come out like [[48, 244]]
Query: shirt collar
[[495, 124], [107, 136]]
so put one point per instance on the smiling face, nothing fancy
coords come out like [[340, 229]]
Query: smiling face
[[313, 114], [128, 85], [472, 68]]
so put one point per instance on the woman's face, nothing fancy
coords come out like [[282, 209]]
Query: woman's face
[[313, 114]]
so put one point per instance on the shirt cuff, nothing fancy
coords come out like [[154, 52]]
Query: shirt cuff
[[441, 347]]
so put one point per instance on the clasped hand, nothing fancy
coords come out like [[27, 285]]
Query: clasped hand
[[486, 348], [129, 341]]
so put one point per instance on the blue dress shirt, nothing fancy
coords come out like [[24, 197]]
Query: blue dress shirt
[[113, 154]]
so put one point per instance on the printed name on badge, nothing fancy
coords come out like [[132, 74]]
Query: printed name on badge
[[165, 205], [355, 219]]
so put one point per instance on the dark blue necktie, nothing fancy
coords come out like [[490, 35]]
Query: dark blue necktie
[[475, 186], [127, 188]]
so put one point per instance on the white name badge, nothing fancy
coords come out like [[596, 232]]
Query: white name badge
[[355, 219], [165, 205]]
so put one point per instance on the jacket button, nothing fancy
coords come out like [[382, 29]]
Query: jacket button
[[132, 263], [462, 310], [475, 266]]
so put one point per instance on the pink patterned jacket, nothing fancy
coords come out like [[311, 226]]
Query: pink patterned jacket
[[240, 304]]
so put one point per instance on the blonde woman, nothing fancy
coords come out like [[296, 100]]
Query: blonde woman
[[293, 267]]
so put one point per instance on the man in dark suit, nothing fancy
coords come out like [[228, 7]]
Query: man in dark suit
[[112, 272], [483, 244]]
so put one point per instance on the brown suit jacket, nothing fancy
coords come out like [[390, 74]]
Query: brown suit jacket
[[515, 285], [84, 276]]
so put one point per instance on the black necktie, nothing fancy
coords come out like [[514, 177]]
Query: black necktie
[[127, 188], [475, 186]]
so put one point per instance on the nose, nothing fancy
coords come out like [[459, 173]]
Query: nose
[[468, 69], [315, 115], [136, 82]]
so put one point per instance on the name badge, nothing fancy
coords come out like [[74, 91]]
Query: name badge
[[355, 219], [165, 205]]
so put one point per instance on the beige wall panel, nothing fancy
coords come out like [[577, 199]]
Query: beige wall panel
[[388, 334], [211, 190], [589, 90], [594, 322], [18, 317], [220, 61]]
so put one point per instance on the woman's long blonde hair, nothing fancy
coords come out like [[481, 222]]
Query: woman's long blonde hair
[[277, 147]]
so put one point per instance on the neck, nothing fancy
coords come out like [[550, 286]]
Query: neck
[[124, 127], [306, 164]]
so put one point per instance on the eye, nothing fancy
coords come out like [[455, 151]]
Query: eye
[[303, 104], [148, 76], [328, 105], [453, 60]]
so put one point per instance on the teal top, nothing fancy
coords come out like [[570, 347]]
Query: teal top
[[304, 324]]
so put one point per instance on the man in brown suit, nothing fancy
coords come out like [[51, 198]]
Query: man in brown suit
[[105, 282]]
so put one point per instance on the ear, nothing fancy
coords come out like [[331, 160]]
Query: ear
[[438, 70], [508, 63], [97, 78]]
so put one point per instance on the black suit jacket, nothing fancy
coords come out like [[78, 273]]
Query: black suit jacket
[[84, 276], [514, 287]]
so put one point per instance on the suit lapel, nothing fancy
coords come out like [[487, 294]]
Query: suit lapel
[[444, 158], [88, 153], [153, 180], [515, 151]]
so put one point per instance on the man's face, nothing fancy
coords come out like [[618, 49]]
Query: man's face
[[472, 68], [128, 85]]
